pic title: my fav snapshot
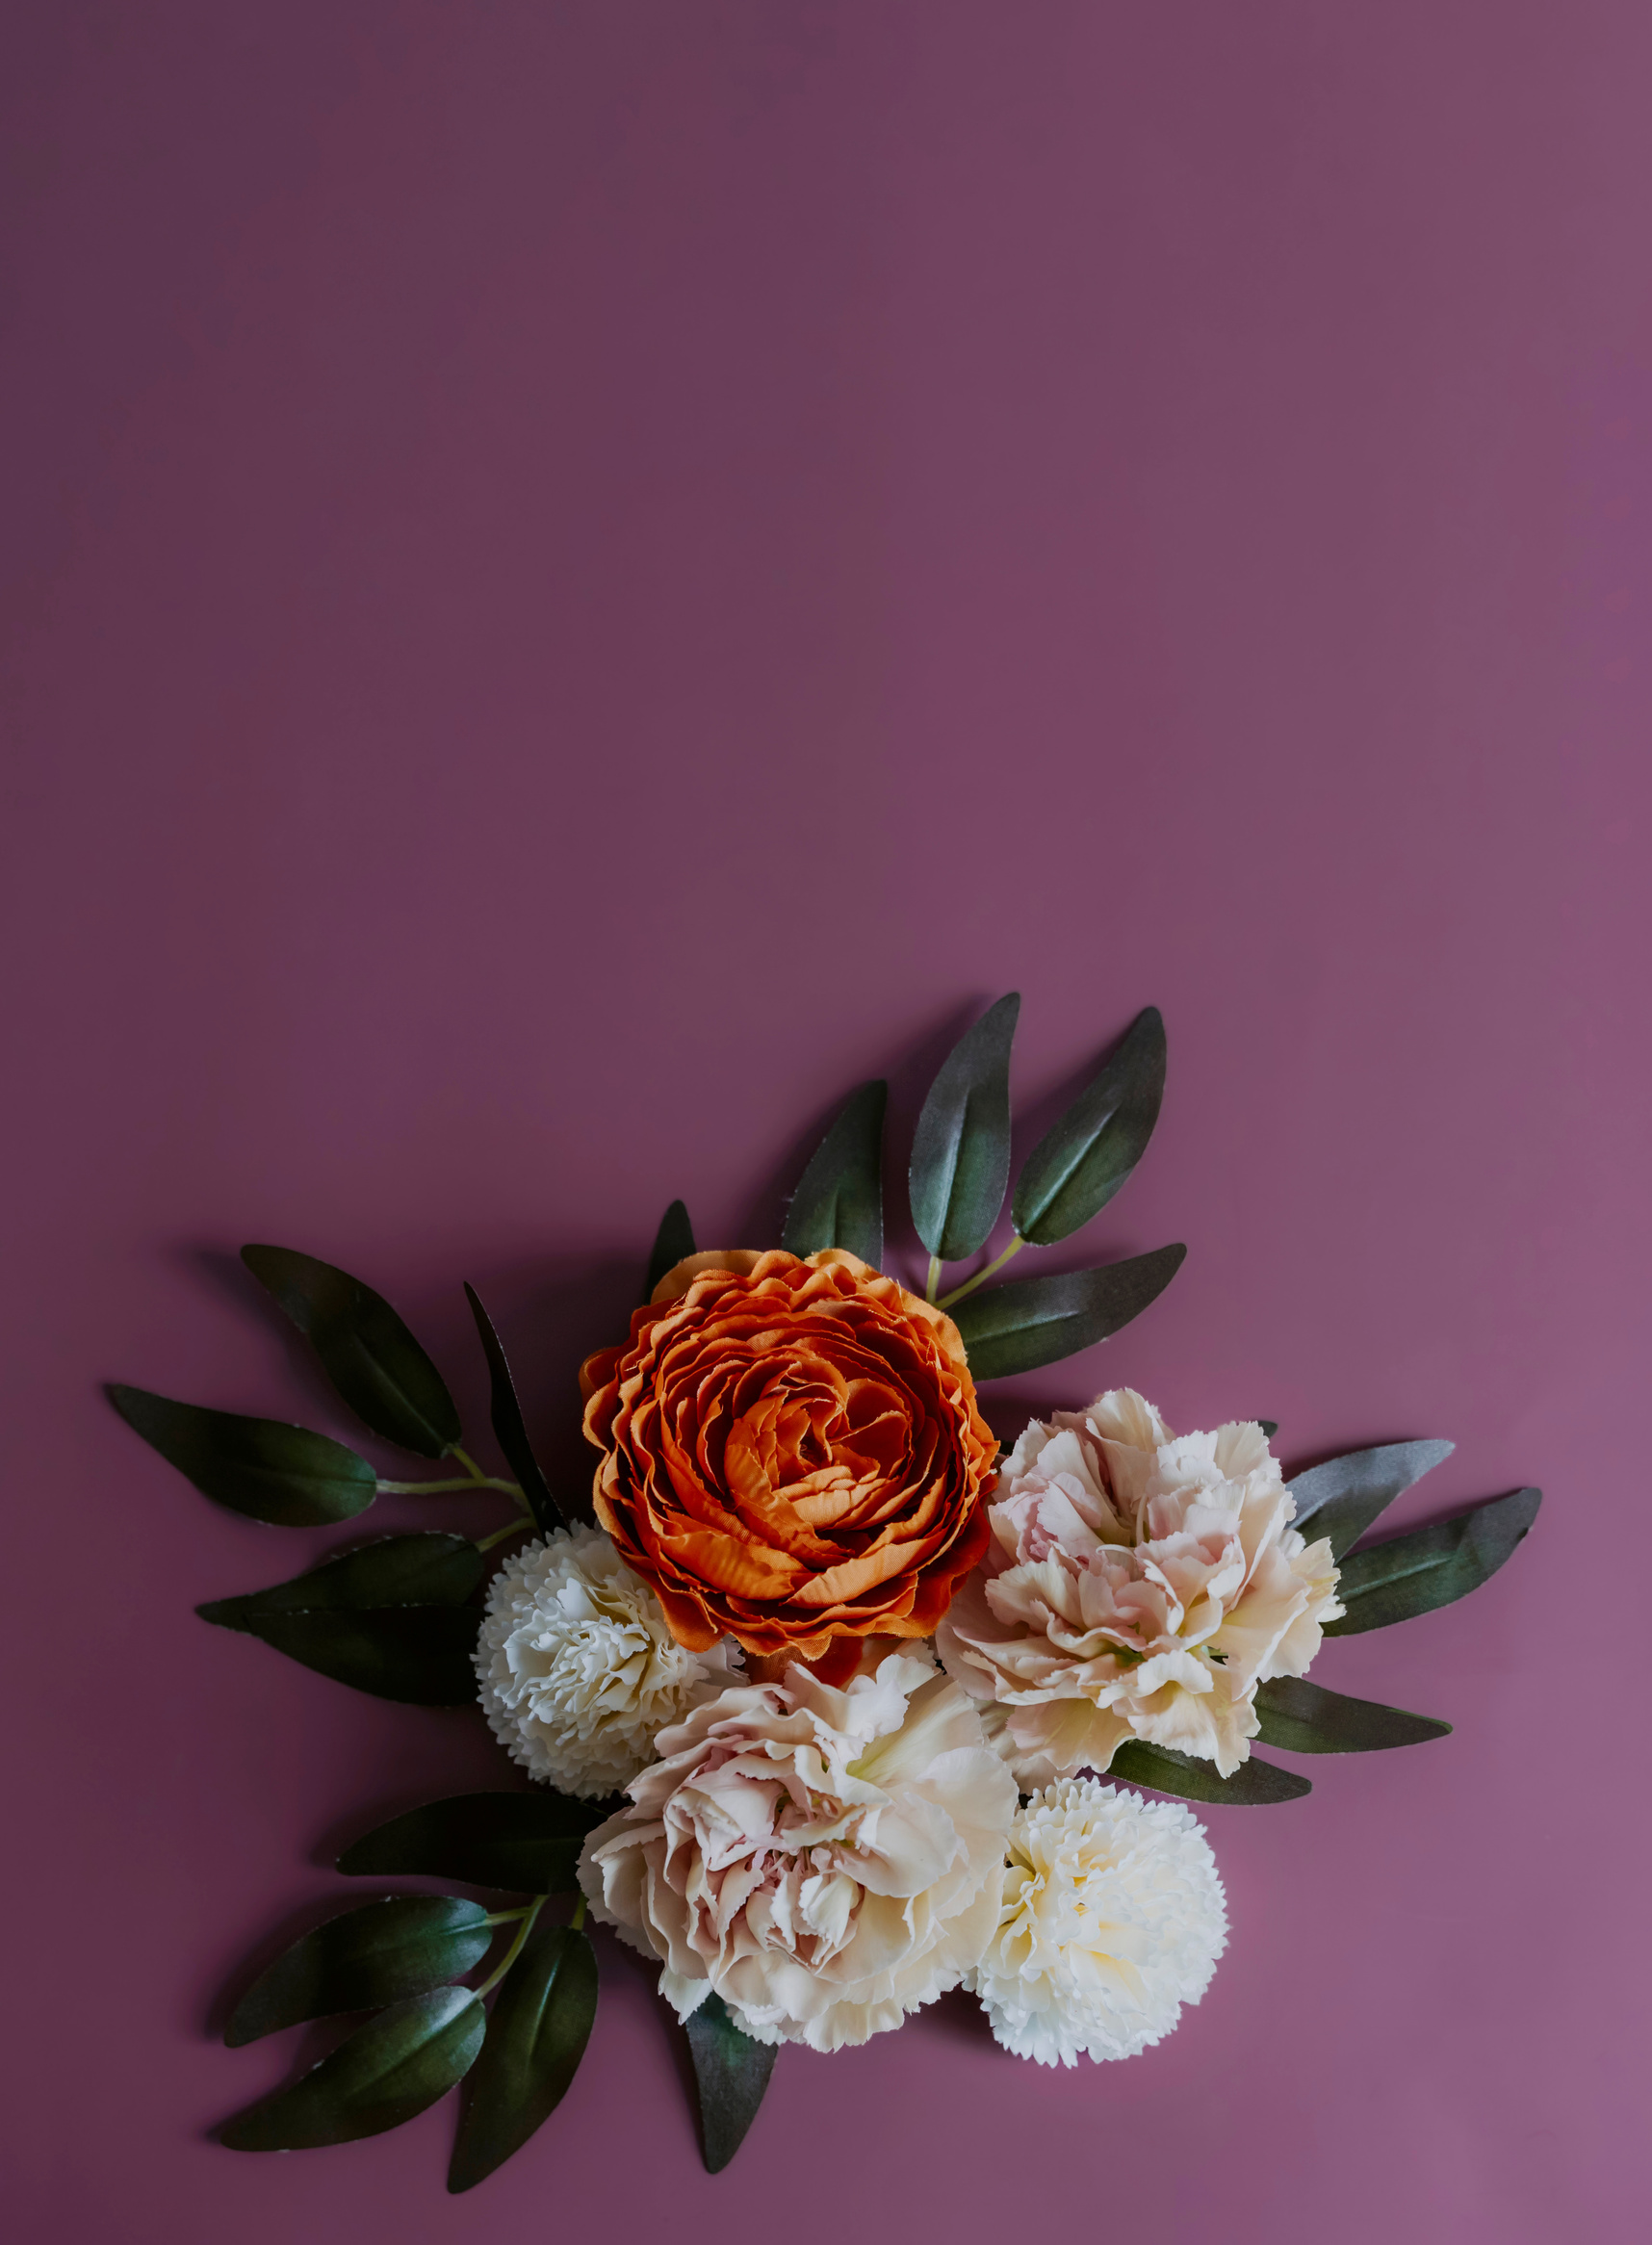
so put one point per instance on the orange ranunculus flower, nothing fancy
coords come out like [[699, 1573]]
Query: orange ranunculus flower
[[791, 1453]]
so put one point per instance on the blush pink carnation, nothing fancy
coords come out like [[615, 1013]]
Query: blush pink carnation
[[825, 1861], [1137, 1585]]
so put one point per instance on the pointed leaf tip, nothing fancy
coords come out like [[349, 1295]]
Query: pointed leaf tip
[[840, 1200], [510, 1429], [1079, 1166], [960, 1151], [1346, 1495], [732, 2074], [673, 1244], [386, 2073], [541, 2022], [366, 1351], [262, 1468], [1254, 1784], [377, 1953], [1031, 1321], [1407, 1575]]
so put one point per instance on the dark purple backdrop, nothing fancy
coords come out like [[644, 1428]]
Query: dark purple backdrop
[[579, 578]]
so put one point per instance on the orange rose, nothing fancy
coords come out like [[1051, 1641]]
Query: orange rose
[[791, 1453]]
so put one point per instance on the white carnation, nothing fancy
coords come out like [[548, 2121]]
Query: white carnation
[[577, 1666], [1113, 1918]]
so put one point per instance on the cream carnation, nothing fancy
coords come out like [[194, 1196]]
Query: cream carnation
[[577, 1669], [1136, 1585], [826, 1861], [1113, 1918]]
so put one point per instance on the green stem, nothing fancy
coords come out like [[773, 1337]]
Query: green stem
[[505, 1916], [579, 1918], [515, 1950], [934, 1279], [467, 1461], [443, 1488], [981, 1277], [503, 1535]]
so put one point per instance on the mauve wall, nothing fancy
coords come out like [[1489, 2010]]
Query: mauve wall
[[579, 578]]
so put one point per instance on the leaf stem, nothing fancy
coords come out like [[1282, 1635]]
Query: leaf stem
[[502, 1535], [981, 1277], [934, 1279], [442, 1489], [512, 1955], [579, 1918], [467, 1461], [505, 1917]]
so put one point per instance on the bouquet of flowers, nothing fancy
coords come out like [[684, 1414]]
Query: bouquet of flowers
[[816, 1687]]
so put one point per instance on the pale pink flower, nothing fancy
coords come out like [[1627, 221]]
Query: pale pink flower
[[1137, 1585], [826, 1861]]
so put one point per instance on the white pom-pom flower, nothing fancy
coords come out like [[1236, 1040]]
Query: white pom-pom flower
[[1113, 1918], [577, 1669]]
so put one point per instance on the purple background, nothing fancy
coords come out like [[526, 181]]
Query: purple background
[[578, 580]]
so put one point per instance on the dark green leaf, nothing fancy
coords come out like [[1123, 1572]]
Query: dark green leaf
[[398, 1570], [261, 1467], [508, 1428], [1252, 1785], [421, 1655], [732, 2071], [541, 2022], [673, 1243], [1269, 1427], [385, 2072], [1345, 1495], [960, 1151], [366, 1351], [1075, 1170], [526, 1842], [1303, 1719], [365, 1958], [839, 1200], [1431, 1567], [1033, 1321]]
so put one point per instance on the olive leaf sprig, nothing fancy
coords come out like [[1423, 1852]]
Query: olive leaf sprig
[[395, 1616], [959, 1176]]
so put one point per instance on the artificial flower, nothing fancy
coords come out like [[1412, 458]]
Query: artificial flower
[[578, 1670], [1112, 1918], [823, 1860], [1136, 1585], [791, 1453]]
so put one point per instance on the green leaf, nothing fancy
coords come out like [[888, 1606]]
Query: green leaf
[[366, 1351], [526, 1842], [509, 1430], [398, 1570], [730, 2072], [1303, 1719], [1076, 1167], [386, 2073], [365, 1958], [960, 1151], [1033, 1321], [1431, 1567], [1269, 1427], [260, 1467], [1345, 1495], [541, 2022], [673, 1242], [840, 1200], [1252, 1785], [421, 1655]]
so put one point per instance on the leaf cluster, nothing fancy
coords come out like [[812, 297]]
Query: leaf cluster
[[957, 1178], [401, 1958], [1380, 1584]]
